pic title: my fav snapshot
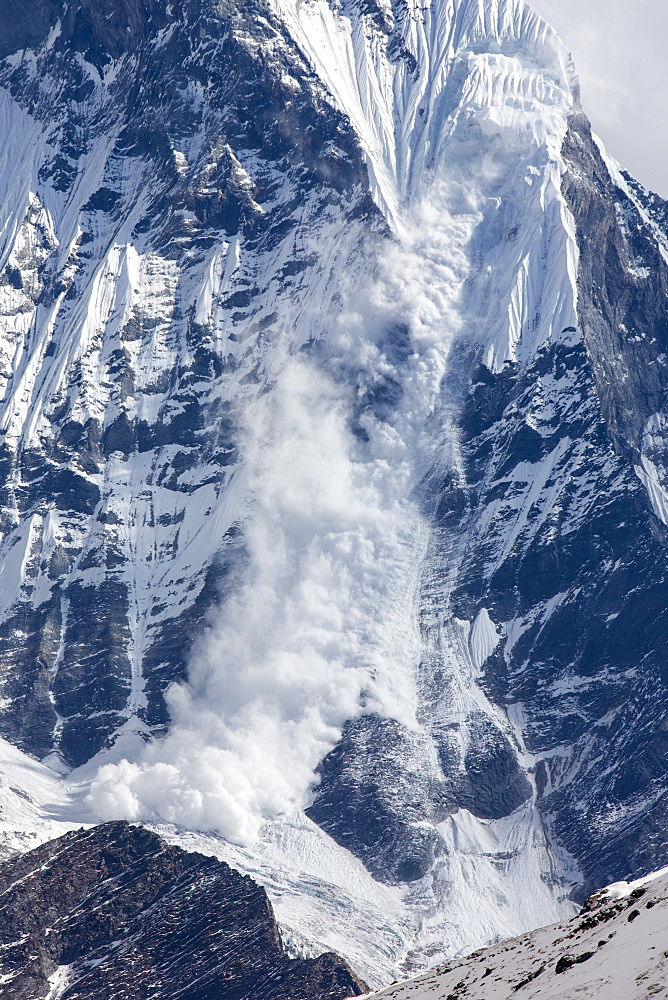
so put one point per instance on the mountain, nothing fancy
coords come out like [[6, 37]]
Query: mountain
[[333, 464], [115, 912], [614, 945]]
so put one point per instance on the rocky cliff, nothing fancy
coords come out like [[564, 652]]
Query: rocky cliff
[[116, 912]]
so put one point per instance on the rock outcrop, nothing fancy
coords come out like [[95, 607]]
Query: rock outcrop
[[116, 912]]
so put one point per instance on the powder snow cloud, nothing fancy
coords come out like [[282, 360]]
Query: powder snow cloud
[[322, 623]]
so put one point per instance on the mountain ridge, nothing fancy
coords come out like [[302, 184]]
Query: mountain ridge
[[333, 477], [574, 957], [114, 910]]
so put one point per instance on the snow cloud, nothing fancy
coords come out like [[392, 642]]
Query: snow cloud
[[319, 629], [322, 624]]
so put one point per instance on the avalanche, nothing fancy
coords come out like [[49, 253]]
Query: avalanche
[[245, 379]]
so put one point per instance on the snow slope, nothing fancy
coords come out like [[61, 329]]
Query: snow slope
[[36, 803], [615, 948]]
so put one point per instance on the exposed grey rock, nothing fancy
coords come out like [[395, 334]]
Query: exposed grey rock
[[116, 912]]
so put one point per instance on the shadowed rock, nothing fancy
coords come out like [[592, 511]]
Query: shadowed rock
[[116, 912]]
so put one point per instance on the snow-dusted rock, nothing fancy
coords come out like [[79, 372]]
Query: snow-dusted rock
[[615, 947], [332, 512]]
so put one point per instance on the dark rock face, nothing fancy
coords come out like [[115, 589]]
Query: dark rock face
[[131, 917], [586, 579], [373, 802], [99, 31], [26, 24], [623, 282]]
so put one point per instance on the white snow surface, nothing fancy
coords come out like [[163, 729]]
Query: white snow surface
[[653, 468], [484, 638], [37, 804], [325, 895], [463, 148], [616, 950]]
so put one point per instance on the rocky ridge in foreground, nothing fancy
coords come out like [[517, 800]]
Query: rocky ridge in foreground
[[115, 912]]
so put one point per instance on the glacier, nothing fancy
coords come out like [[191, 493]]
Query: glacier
[[313, 397]]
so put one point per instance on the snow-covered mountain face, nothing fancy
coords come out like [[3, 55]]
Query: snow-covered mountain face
[[334, 457]]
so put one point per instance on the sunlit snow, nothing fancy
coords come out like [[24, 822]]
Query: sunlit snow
[[463, 147]]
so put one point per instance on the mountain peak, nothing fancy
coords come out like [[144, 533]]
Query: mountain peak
[[333, 480]]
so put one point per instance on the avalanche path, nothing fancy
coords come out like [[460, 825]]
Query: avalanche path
[[333, 447]]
